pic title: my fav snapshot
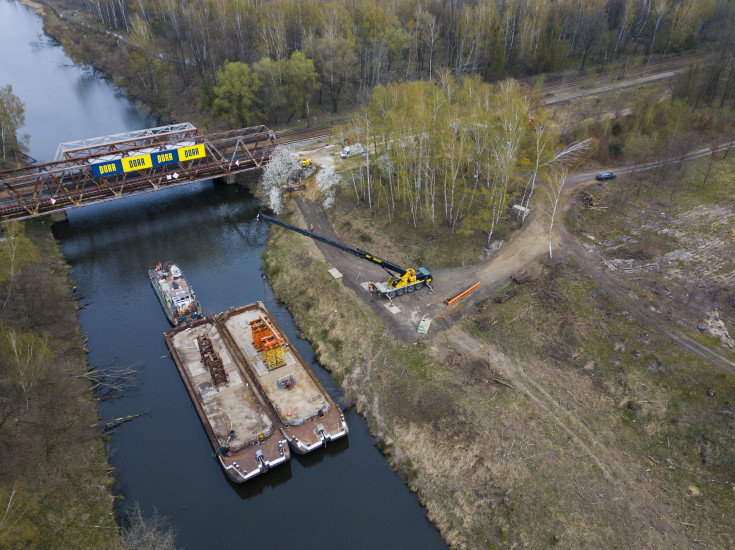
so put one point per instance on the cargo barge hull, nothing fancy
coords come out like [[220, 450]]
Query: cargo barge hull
[[245, 436], [308, 416]]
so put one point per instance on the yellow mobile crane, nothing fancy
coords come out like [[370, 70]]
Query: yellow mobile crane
[[400, 280]]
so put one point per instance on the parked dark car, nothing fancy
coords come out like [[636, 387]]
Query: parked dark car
[[604, 176]]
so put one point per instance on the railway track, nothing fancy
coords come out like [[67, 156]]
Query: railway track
[[563, 83], [303, 135]]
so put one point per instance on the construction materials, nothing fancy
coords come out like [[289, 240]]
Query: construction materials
[[455, 309], [458, 297], [212, 361], [307, 415], [424, 325], [522, 277], [241, 426], [265, 340], [505, 296]]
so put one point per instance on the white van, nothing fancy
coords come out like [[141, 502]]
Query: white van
[[354, 149]]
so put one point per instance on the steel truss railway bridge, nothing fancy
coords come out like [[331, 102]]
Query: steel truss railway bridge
[[110, 167]]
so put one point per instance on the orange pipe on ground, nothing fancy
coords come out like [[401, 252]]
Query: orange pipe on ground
[[450, 301]]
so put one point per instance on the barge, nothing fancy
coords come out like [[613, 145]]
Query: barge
[[240, 425], [309, 417], [176, 296]]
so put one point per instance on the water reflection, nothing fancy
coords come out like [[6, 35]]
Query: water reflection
[[332, 450], [276, 477]]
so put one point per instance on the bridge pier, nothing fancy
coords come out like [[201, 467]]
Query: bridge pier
[[59, 216], [229, 179]]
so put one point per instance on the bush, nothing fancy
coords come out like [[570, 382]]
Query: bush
[[615, 147]]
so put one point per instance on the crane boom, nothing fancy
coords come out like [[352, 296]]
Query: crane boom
[[390, 267], [401, 279]]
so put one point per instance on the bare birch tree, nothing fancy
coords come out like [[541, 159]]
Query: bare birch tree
[[15, 251], [28, 353], [553, 187]]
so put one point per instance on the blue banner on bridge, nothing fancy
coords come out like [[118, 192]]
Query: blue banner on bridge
[[141, 162], [165, 157], [107, 168]]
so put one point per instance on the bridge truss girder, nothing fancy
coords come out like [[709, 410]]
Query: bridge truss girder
[[69, 183]]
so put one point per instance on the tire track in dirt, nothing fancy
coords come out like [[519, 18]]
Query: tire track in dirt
[[527, 246], [572, 426], [602, 279]]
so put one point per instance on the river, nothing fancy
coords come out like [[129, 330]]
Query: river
[[341, 496]]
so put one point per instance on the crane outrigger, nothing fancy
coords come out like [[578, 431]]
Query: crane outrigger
[[400, 280]]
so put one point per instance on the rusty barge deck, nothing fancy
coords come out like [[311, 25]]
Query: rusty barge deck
[[245, 435], [308, 416]]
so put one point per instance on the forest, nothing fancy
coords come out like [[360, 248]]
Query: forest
[[332, 54]]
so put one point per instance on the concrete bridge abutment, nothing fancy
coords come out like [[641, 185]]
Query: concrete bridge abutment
[[59, 216]]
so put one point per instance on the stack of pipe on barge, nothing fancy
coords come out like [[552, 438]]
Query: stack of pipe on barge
[[240, 425], [308, 416]]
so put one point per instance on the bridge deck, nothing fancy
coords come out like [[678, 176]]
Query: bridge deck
[[68, 183]]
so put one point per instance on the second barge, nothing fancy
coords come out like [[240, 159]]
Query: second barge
[[243, 432], [308, 415]]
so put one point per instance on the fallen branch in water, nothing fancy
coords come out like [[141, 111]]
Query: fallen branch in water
[[115, 422]]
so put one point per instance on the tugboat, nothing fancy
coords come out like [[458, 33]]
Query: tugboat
[[176, 296]]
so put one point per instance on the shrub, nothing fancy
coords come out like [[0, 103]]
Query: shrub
[[615, 147]]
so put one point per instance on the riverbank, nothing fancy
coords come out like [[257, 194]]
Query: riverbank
[[399, 388], [513, 432], [211, 230], [55, 478]]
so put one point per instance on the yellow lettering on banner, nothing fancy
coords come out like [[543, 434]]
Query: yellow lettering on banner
[[136, 163], [107, 168], [164, 157], [193, 152]]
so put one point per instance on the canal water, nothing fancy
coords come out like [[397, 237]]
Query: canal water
[[344, 496]]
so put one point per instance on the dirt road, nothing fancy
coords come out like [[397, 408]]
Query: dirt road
[[525, 248]]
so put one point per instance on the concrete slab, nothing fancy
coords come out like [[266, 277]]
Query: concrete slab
[[304, 399], [392, 308], [231, 407], [424, 325], [334, 272]]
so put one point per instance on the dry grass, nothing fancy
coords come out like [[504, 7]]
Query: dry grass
[[507, 445], [56, 448]]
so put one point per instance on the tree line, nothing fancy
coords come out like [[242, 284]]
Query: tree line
[[456, 152], [12, 117], [355, 45]]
